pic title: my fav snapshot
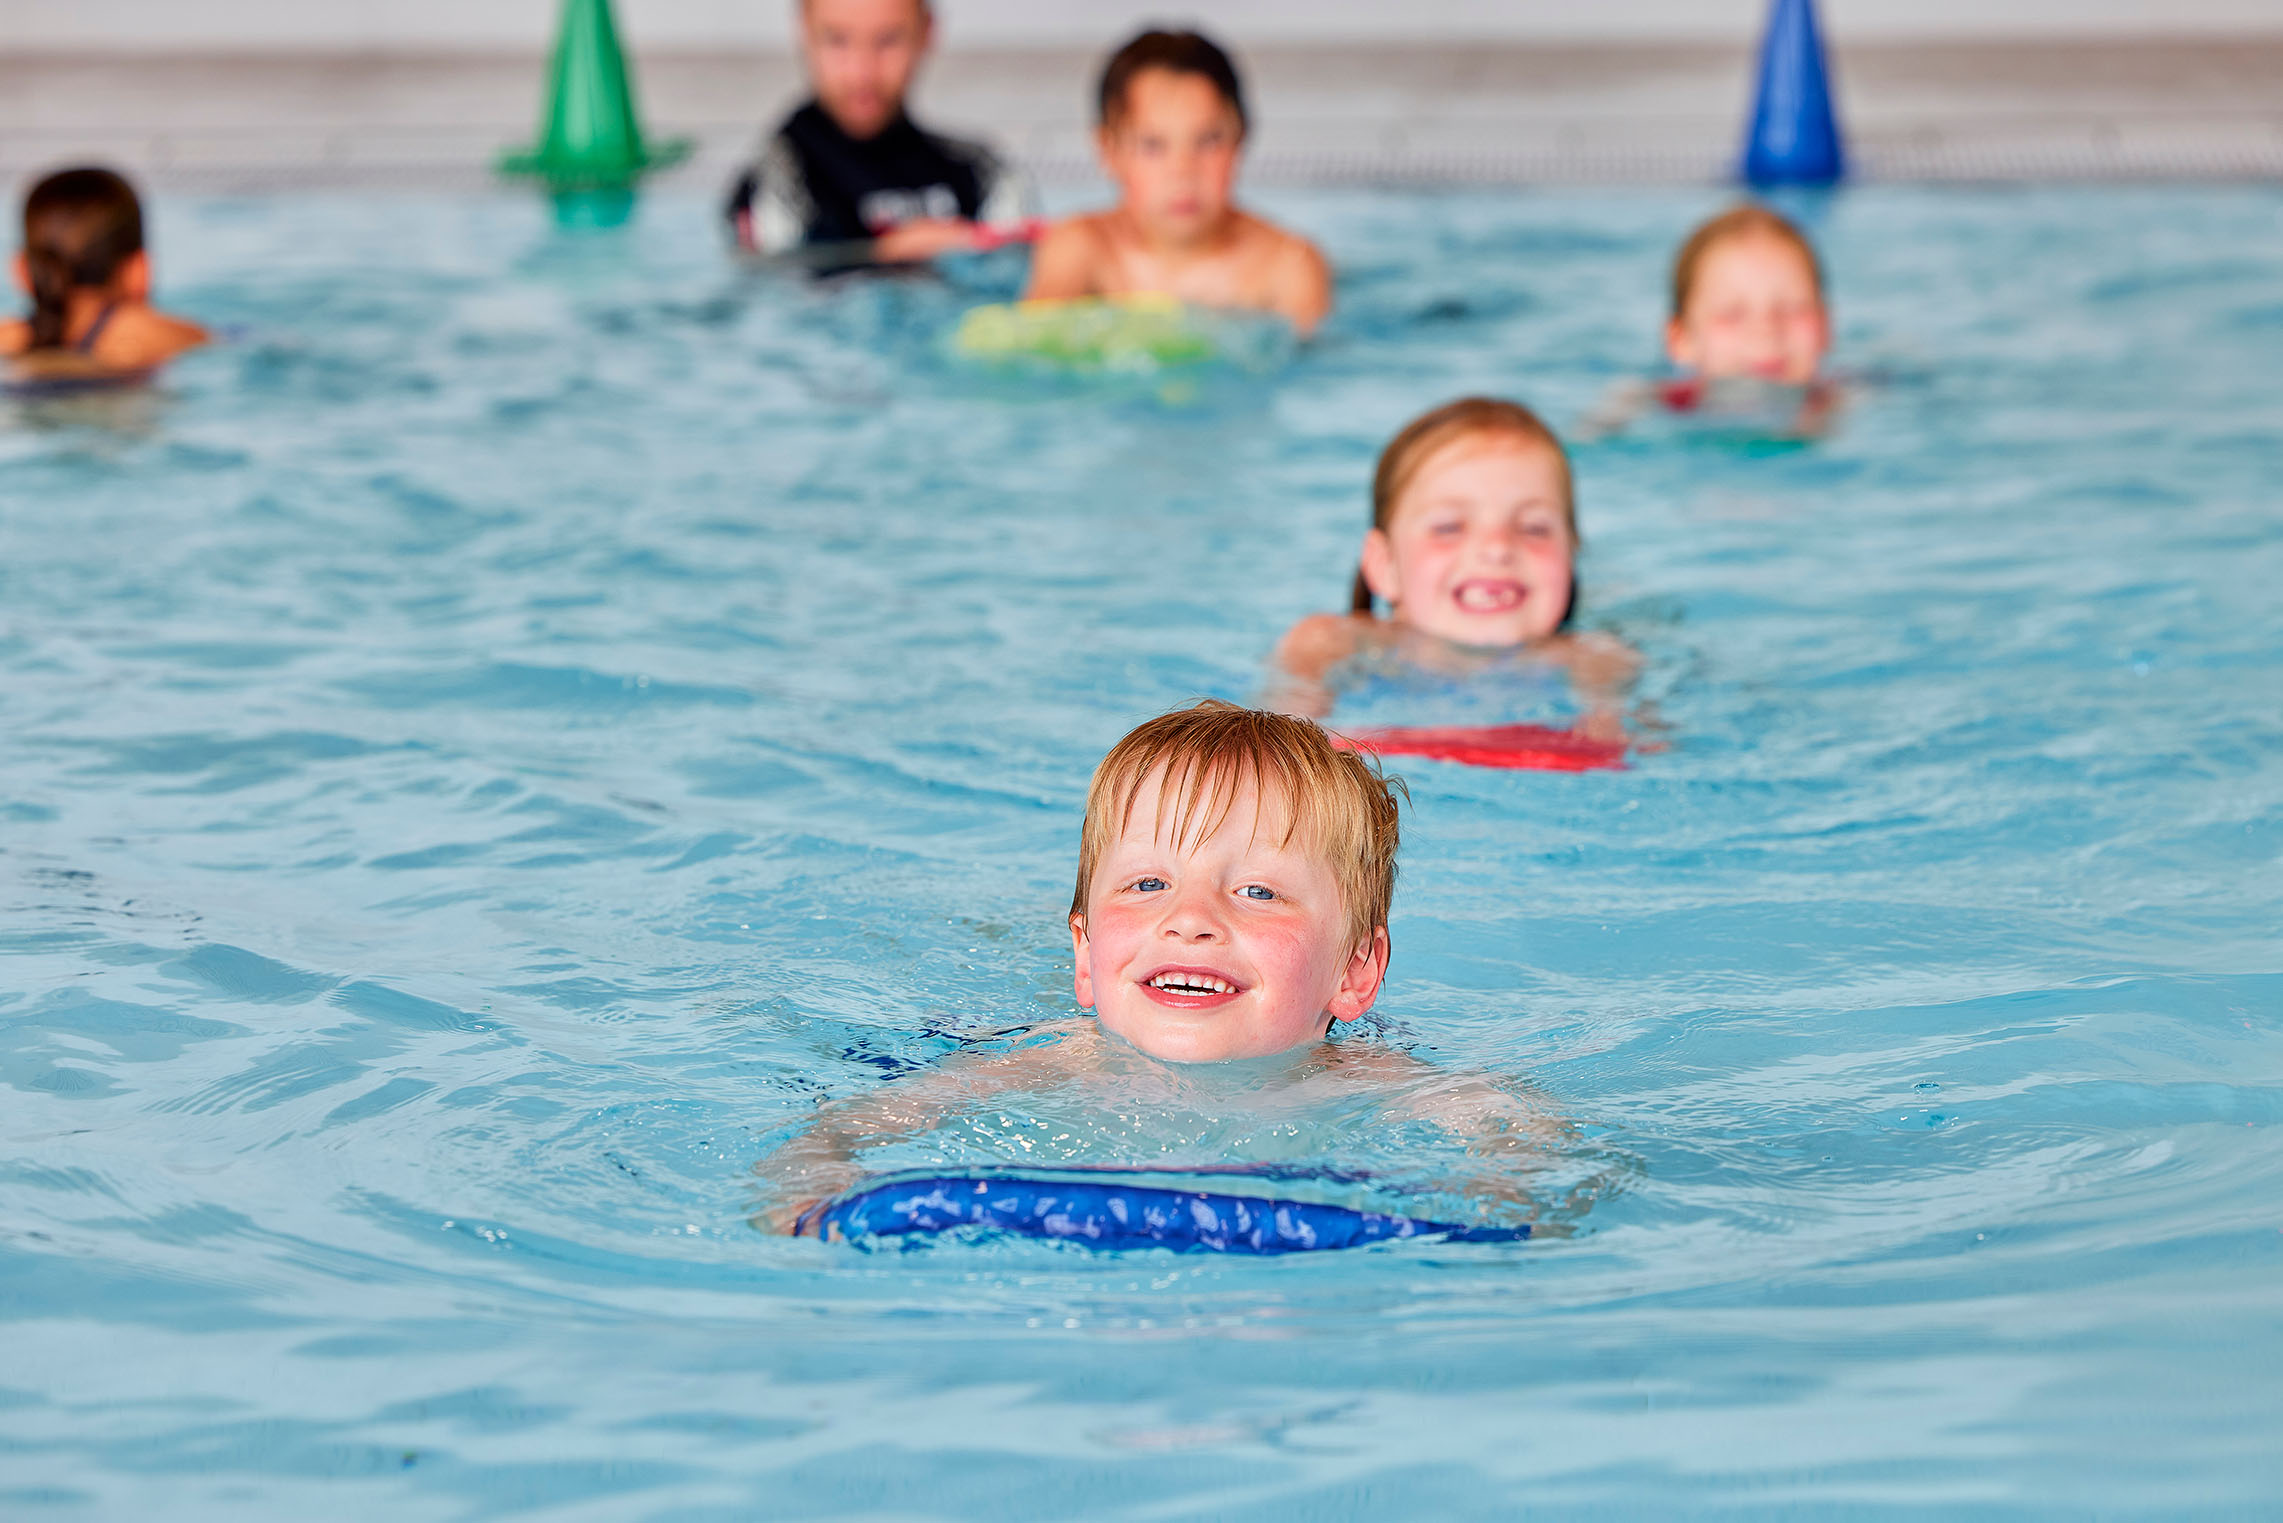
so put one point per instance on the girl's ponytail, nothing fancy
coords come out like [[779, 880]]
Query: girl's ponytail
[[49, 275], [1360, 600], [80, 226]]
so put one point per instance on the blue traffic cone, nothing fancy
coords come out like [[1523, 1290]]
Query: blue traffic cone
[[1795, 136]]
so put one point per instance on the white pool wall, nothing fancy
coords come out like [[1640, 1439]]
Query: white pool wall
[[425, 25]]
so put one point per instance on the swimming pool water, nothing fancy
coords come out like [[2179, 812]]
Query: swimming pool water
[[483, 752]]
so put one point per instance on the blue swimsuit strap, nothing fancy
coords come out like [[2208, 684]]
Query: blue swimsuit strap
[[1117, 1215], [86, 344]]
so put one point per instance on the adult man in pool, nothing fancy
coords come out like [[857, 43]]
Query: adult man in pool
[[850, 170]]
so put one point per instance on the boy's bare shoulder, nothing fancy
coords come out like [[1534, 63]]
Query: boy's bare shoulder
[[1085, 230], [1290, 267], [1296, 253], [15, 336], [1068, 260]]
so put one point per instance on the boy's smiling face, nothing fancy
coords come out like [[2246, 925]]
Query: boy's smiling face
[[1754, 311], [1479, 549], [1173, 148], [1232, 943]]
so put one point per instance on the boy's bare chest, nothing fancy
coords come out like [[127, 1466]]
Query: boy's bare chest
[[1235, 275]]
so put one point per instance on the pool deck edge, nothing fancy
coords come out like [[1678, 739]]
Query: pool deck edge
[[1503, 113]]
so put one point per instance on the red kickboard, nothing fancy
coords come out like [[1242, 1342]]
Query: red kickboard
[[1533, 746]]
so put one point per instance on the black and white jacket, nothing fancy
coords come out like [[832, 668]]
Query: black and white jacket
[[814, 184]]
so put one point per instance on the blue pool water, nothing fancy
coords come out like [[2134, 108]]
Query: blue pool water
[[482, 754]]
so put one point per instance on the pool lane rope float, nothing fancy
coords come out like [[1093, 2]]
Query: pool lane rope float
[[1524, 747], [1115, 1214], [1129, 335]]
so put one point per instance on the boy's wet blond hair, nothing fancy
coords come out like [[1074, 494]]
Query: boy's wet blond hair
[[1336, 799], [1747, 221]]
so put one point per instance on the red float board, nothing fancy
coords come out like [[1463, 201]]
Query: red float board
[[1533, 746]]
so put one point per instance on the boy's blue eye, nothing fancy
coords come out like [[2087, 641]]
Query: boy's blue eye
[[1258, 891], [1149, 885]]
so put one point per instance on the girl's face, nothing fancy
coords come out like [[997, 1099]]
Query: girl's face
[[1753, 311], [1479, 549]]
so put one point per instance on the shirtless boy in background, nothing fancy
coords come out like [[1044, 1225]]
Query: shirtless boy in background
[[1170, 133]]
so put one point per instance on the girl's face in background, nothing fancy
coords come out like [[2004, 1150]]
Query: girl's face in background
[[1479, 549], [1753, 312]]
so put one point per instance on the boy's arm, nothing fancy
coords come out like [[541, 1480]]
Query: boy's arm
[[1304, 285], [819, 1162], [1066, 263]]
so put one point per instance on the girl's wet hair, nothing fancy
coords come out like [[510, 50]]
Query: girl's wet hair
[[80, 226], [1747, 221], [1428, 435], [1334, 798], [1179, 52]]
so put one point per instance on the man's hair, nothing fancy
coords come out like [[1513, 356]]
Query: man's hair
[[80, 225], [1429, 434], [1747, 221], [1182, 53], [1335, 799]]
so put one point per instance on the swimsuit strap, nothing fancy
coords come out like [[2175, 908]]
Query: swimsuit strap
[[86, 344]]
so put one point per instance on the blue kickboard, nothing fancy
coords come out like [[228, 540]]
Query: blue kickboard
[[1116, 1215]]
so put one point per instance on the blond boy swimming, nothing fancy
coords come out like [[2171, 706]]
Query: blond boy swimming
[[1235, 872], [1170, 133]]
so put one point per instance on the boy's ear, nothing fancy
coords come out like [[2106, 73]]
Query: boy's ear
[[1360, 980], [23, 274], [1379, 564], [1082, 980]]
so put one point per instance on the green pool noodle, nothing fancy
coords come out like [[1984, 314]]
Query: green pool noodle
[[1125, 333]]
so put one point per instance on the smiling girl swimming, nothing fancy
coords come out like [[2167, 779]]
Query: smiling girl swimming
[[1473, 550]]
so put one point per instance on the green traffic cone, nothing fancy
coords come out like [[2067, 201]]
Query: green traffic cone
[[591, 138]]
